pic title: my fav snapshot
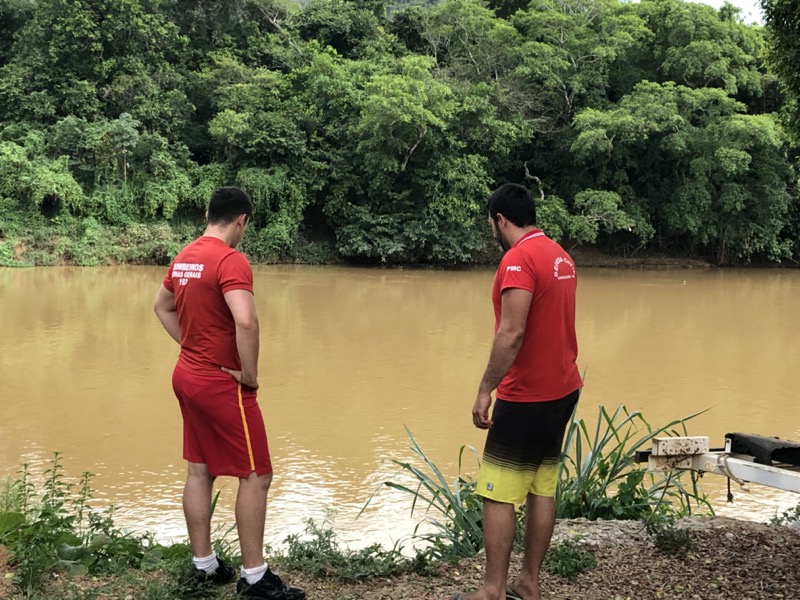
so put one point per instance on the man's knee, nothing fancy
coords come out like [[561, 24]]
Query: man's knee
[[256, 481], [199, 471]]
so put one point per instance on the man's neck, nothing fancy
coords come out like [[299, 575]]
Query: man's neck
[[517, 233], [224, 233]]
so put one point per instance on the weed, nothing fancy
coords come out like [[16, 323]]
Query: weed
[[668, 538], [319, 554], [10, 496], [567, 560], [59, 531], [787, 517]]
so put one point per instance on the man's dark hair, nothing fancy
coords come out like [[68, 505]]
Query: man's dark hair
[[226, 204], [514, 202]]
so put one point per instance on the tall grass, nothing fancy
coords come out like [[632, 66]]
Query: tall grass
[[598, 478], [454, 512]]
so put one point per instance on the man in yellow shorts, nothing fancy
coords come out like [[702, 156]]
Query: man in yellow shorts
[[532, 367]]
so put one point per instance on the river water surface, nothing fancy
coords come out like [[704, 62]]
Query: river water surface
[[352, 357]]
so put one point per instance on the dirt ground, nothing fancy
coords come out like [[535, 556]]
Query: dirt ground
[[730, 559], [5, 583]]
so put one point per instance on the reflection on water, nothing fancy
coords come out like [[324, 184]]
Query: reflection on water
[[351, 356]]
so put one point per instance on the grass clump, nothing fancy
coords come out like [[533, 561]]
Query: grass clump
[[599, 478], [455, 513], [567, 560]]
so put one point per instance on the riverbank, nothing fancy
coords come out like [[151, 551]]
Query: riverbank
[[157, 250], [588, 256], [76, 243], [89, 243], [729, 559]]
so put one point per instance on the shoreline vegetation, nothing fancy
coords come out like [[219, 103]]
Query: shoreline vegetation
[[139, 244], [159, 254], [730, 558], [621, 533]]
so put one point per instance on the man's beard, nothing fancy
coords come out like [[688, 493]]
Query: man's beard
[[502, 241]]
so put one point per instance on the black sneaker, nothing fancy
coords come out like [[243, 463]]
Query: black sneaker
[[224, 575], [269, 587]]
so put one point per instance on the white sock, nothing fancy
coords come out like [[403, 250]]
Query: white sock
[[209, 564], [254, 574]]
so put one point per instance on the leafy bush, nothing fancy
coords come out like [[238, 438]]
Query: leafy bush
[[57, 530], [7, 258]]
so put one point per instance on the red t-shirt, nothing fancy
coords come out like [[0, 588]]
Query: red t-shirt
[[545, 367], [199, 277]]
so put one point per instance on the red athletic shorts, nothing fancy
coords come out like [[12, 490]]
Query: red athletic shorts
[[222, 424]]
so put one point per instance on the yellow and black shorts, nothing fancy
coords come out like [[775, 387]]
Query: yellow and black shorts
[[523, 449]]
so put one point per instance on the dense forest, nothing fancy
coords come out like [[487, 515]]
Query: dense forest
[[372, 131]]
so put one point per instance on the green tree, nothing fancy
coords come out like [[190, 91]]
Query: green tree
[[69, 56], [570, 48], [706, 177], [696, 46], [346, 26], [38, 185], [13, 14], [783, 23]]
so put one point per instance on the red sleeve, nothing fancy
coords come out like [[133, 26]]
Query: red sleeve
[[235, 273], [516, 272]]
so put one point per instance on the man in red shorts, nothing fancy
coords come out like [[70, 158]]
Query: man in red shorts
[[533, 370], [206, 304]]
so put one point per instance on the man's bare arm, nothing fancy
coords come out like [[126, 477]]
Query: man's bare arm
[[507, 341], [164, 307], [243, 308]]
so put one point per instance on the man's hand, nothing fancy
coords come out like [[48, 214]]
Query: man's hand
[[480, 411], [238, 376]]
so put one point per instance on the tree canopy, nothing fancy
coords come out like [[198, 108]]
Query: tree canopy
[[373, 131]]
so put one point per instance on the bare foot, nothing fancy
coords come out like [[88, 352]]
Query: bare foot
[[523, 590]]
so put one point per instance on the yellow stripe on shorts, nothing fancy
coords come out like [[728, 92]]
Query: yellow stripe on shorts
[[246, 431]]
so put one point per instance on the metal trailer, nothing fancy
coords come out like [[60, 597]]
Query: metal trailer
[[746, 458]]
